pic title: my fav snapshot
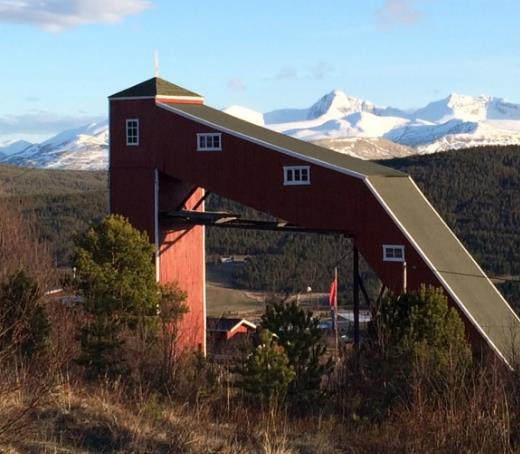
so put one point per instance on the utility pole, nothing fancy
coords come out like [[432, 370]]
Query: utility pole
[[336, 311], [356, 296], [405, 278]]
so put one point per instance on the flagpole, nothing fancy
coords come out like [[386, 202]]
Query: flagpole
[[336, 311]]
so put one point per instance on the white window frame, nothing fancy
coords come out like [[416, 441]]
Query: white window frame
[[390, 257], [292, 175], [132, 140], [202, 138]]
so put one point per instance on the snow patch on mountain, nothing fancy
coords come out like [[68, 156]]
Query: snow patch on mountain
[[281, 116], [337, 121], [358, 124], [246, 114], [468, 135], [456, 121], [366, 148], [84, 148], [10, 147], [468, 108], [337, 104]]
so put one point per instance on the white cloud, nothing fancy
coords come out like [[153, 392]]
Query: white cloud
[[42, 122], [286, 73], [321, 70], [316, 71], [59, 15], [235, 84], [398, 13]]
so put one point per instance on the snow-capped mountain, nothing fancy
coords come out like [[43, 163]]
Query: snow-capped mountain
[[454, 122], [366, 148], [468, 108], [10, 147], [338, 121], [84, 148], [246, 114]]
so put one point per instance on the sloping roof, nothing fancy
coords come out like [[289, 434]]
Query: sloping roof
[[324, 156], [154, 87], [443, 253], [225, 325], [462, 278]]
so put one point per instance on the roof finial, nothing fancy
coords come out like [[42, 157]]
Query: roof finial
[[156, 64]]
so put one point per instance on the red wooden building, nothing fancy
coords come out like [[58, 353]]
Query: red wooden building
[[167, 148], [224, 328]]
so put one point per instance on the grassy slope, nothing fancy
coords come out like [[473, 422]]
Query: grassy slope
[[223, 299]]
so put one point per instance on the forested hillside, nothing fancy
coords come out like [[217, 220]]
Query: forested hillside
[[61, 202], [477, 191], [478, 194]]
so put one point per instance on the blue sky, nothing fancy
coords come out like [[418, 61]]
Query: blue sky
[[62, 58]]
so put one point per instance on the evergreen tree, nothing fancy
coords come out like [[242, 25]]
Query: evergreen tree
[[298, 333], [266, 371], [415, 348], [116, 276], [423, 327]]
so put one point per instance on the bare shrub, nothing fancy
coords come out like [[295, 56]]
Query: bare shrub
[[25, 374], [20, 247]]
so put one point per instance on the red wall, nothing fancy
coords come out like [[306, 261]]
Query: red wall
[[182, 261], [252, 175], [242, 329]]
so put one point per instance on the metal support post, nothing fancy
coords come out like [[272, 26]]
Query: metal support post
[[356, 296]]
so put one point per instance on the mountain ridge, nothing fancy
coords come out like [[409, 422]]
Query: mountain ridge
[[341, 122]]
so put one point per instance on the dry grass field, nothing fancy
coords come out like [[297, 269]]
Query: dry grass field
[[223, 299]]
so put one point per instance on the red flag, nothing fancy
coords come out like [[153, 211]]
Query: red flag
[[332, 292]]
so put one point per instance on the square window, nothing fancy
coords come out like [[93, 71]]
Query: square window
[[393, 253], [209, 142], [296, 175]]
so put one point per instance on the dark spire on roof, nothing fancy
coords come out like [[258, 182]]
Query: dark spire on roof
[[154, 87]]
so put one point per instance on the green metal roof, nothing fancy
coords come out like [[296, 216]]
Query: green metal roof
[[154, 87], [461, 277], [325, 156], [452, 262]]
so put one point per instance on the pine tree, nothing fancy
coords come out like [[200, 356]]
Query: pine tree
[[298, 333], [266, 371], [422, 325], [116, 277]]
